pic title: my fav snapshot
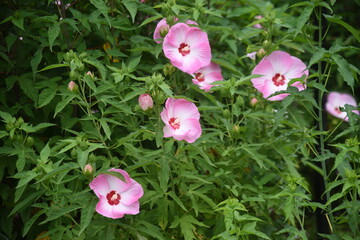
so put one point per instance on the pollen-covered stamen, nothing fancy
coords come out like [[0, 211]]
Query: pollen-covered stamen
[[174, 123], [113, 198], [278, 79], [199, 76], [184, 49]]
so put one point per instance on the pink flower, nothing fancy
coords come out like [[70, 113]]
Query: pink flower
[[181, 119], [277, 70], [336, 100], [162, 28], [145, 101], [206, 75], [188, 48], [116, 196], [252, 55], [258, 25]]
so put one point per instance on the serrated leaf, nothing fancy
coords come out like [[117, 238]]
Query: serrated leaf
[[317, 56], [164, 173], [304, 17], [166, 89], [177, 200], [24, 178], [6, 116], [53, 33], [101, 6], [344, 69], [20, 162], [46, 96], [150, 19], [45, 153], [31, 221], [27, 201]]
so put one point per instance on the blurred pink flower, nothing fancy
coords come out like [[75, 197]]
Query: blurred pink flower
[[336, 100], [206, 75], [116, 197], [181, 119], [252, 55], [162, 28], [145, 101], [258, 25], [277, 70], [188, 48]]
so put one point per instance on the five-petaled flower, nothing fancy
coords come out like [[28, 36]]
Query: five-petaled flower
[[206, 75], [181, 119], [116, 197], [277, 70], [188, 48], [336, 100]]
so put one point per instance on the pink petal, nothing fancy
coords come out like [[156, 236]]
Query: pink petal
[[184, 109], [132, 194], [297, 69], [336, 100], [132, 209], [168, 131], [100, 185], [157, 37], [107, 210], [280, 61], [116, 184], [190, 130]]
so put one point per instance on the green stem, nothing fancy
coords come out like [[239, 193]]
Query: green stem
[[321, 124]]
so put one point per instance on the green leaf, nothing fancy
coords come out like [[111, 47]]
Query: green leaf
[[58, 170], [177, 200], [61, 105], [31, 221], [20, 163], [27, 201], [344, 69], [54, 66], [187, 226], [337, 19], [53, 33], [100, 67], [46, 96], [304, 17], [258, 157], [249, 228], [105, 127], [131, 6], [24, 178], [60, 211], [7, 117], [166, 89], [317, 56], [35, 60], [87, 213], [151, 19], [164, 173], [18, 21], [101, 6], [45, 153]]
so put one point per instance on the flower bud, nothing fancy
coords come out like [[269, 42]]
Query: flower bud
[[261, 53], [145, 102], [253, 101], [72, 86], [164, 30], [88, 169]]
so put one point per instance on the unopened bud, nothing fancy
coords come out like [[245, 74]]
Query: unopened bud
[[88, 169], [251, 55], [89, 73], [253, 101], [261, 53], [164, 30], [145, 102], [72, 86]]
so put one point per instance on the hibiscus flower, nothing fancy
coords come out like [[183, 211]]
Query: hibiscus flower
[[336, 100]]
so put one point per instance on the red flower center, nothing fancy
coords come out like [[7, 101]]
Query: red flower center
[[174, 123], [200, 77], [278, 79], [338, 110], [113, 198], [184, 49]]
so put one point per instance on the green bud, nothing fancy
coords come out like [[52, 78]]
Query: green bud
[[9, 126], [73, 153], [236, 132], [29, 141], [19, 122], [226, 114]]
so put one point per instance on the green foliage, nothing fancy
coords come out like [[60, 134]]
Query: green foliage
[[249, 176]]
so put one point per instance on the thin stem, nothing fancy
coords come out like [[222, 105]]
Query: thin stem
[[320, 115]]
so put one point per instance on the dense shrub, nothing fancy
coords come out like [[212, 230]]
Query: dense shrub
[[85, 88]]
